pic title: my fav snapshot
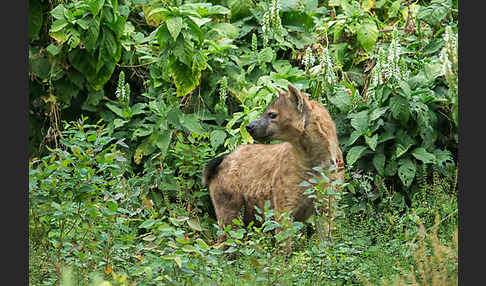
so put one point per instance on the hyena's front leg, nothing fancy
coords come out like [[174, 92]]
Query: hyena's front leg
[[279, 209]]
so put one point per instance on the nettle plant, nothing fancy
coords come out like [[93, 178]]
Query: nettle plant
[[80, 204], [398, 125], [328, 202]]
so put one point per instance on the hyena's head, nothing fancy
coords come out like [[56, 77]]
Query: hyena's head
[[284, 119]]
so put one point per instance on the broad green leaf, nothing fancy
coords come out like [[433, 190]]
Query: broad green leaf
[[74, 38], [266, 55], [399, 107], [421, 154], [96, 6], [147, 224], [149, 237], [359, 121], [115, 108], [183, 240], [378, 112], [58, 12], [401, 149], [239, 9], [406, 171], [445, 161], [82, 61], [35, 19], [118, 26], [338, 29], [435, 12], [353, 137], [189, 248], [379, 163], [217, 138], [354, 154], [207, 9], [194, 224], [184, 78], [367, 34], [184, 51], [288, 5], [113, 206], [83, 24], [59, 36], [94, 98], [98, 80], [199, 61], [244, 134], [191, 122], [405, 88], [341, 100], [404, 142], [311, 6], [394, 8], [226, 30], [200, 21], [53, 49], [154, 15], [391, 168], [385, 136], [202, 243], [433, 70], [163, 36], [163, 140], [117, 123], [137, 108], [90, 37], [174, 25], [58, 25], [145, 131], [372, 141], [110, 50]]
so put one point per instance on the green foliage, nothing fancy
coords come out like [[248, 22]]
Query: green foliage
[[175, 83], [79, 204]]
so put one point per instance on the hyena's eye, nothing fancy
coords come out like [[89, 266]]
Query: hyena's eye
[[272, 115]]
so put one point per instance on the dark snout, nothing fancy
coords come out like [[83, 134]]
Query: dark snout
[[250, 127], [257, 129]]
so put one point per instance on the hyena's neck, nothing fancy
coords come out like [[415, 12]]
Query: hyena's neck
[[312, 147]]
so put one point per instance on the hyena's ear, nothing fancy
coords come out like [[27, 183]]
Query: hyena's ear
[[296, 98], [280, 92]]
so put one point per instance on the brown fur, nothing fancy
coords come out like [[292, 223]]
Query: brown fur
[[254, 173]]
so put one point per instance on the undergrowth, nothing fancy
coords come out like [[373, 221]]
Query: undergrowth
[[118, 236]]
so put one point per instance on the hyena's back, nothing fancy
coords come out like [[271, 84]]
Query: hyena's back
[[251, 175]]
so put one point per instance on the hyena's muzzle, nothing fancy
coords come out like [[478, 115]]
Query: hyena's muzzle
[[258, 129]]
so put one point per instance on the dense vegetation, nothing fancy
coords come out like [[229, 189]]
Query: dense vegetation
[[129, 99]]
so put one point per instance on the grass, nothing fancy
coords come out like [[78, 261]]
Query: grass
[[415, 246]]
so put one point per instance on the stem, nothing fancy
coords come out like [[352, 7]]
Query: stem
[[135, 66]]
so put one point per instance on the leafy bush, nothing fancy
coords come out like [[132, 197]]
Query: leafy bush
[[79, 200]]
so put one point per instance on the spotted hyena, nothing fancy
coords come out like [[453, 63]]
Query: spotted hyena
[[255, 173]]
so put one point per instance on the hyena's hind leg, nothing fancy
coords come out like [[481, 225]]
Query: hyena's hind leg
[[227, 204]]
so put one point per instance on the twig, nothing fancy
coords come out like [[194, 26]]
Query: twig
[[135, 66]]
